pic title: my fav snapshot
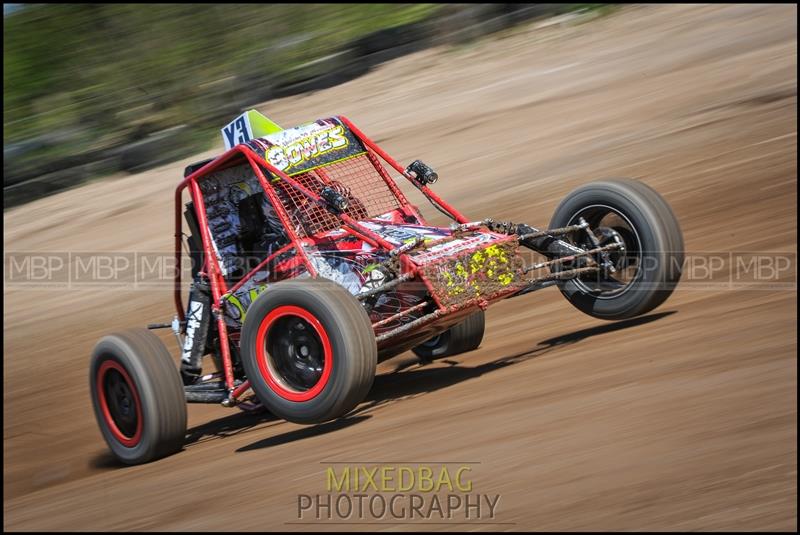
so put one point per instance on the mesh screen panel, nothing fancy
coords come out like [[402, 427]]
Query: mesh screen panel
[[357, 178]]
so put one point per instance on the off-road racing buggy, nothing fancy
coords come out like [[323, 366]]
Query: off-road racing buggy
[[310, 266]]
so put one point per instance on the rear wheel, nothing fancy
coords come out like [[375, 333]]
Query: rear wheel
[[459, 338], [647, 266], [138, 396], [309, 350]]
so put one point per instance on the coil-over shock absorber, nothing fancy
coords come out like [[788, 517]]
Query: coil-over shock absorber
[[198, 319]]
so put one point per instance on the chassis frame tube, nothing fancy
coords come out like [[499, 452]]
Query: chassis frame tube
[[217, 284], [400, 314], [250, 274], [455, 214], [277, 205]]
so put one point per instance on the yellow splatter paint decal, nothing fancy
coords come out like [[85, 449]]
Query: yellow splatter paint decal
[[475, 274]]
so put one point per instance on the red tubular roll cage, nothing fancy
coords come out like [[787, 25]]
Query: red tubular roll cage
[[350, 225]]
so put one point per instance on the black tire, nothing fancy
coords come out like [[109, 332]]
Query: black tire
[[459, 338], [657, 235], [157, 426], [272, 356]]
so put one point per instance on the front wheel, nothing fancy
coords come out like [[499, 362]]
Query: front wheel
[[138, 396], [309, 350], [648, 263]]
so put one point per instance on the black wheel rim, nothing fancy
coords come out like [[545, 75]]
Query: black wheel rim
[[121, 403], [609, 225], [296, 353], [432, 343]]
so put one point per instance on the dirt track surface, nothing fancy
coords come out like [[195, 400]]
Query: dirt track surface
[[684, 419]]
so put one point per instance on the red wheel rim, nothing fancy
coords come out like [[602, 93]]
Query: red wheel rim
[[126, 440], [269, 374]]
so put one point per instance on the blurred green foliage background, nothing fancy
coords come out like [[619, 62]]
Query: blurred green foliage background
[[92, 89], [99, 70]]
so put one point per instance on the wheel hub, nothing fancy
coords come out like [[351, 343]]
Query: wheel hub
[[608, 236], [610, 226], [296, 353], [121, 404]]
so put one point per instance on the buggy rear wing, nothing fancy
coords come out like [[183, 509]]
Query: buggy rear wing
[[249, 125]]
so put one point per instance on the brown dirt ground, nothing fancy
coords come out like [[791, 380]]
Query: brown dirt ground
[[683, 420]]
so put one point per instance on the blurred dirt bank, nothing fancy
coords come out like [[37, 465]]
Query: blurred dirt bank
[[683, 420]]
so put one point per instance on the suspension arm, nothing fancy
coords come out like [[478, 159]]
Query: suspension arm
[[544, 242]]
